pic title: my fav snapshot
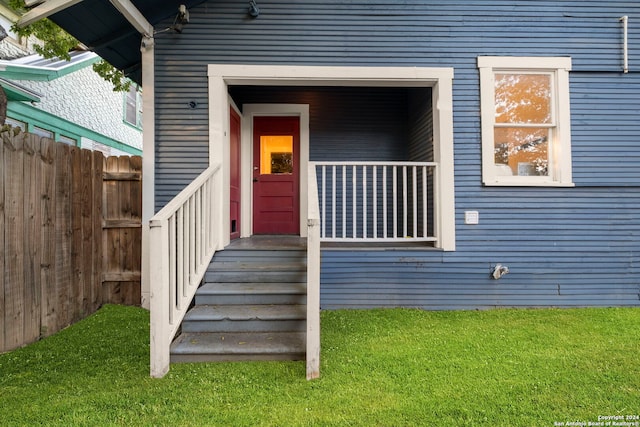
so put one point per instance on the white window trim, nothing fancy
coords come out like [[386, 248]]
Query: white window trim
[[558, 67], [138, 107], [439, 79]]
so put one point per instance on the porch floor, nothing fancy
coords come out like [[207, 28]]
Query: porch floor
[[269, 242], [286, 242]]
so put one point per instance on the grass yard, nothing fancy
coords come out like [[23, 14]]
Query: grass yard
[[379, 368]]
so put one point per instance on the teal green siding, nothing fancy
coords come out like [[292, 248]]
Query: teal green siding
[[61, 127]]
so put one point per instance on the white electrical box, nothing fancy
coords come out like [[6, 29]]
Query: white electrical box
[[471, 217]]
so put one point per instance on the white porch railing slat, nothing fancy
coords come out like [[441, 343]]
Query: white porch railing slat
[[344, 201], [183, 239], [395, 202], [381, 201]]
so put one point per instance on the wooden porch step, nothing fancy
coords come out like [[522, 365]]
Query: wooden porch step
[[239, 269], [251, 293], [260, 264], [218, 347], [245, 318], [256, 276]]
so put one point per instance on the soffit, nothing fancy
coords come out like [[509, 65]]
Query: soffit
[[100, 26]]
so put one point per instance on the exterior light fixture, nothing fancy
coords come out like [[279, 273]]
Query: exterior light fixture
[[182, 18], [254, 10]]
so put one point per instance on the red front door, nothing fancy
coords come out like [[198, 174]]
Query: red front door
[[234, 172], [276, 170]]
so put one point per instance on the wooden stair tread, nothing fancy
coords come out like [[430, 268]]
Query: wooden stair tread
[[240, 343], [219, 288], [245, 312]]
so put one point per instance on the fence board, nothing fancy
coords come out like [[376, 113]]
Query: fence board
[[31, 232], [13, 244], [77, 274], [3, 170], [96, 270], [63, 232], [48, 238], [111, 237], [126, 239], [86, 249], [54, 201], [136, 215]]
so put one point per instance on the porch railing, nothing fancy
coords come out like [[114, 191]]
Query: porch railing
[[184, 236], [376, 201]]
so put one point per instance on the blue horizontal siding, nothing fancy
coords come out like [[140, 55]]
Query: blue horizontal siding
[[564, 246], [357, 123], [362, 279]]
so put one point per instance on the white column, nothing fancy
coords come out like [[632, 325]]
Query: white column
[[443, 155], [148, 158]]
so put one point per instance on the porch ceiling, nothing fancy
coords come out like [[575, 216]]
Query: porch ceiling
[[101, 27]]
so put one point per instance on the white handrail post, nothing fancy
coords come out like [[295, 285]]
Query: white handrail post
[[313, 277], [160, 338]]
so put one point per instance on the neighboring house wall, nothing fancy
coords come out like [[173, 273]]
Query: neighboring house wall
[[86, 99], [565, 246], [76, 106]]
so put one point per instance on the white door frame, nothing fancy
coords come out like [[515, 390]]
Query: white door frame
[[249, 111]]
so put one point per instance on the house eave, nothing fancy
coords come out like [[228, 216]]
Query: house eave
[[19, 69], [15, 92]]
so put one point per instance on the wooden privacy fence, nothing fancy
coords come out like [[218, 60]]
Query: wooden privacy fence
[[70, 235]]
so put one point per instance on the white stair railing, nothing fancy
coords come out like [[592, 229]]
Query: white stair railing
[[313, 277], [377, 201], [184, 236]]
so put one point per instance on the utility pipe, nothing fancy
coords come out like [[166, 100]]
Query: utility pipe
[[625, 43]]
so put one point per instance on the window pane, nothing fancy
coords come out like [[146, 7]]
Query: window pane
[[276, 154], [523, 98], [521, 151], [42, 132], [131, 106], [67, 140], [15, 123]]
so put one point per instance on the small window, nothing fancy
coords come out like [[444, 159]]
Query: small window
[[67, 140], [42, 132], [15, 123], [526, 136], [133, 106]]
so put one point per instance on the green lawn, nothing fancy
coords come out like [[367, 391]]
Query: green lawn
[[379, 368]]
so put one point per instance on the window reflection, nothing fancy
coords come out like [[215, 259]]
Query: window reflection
[[276, 154], [523, 117]]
